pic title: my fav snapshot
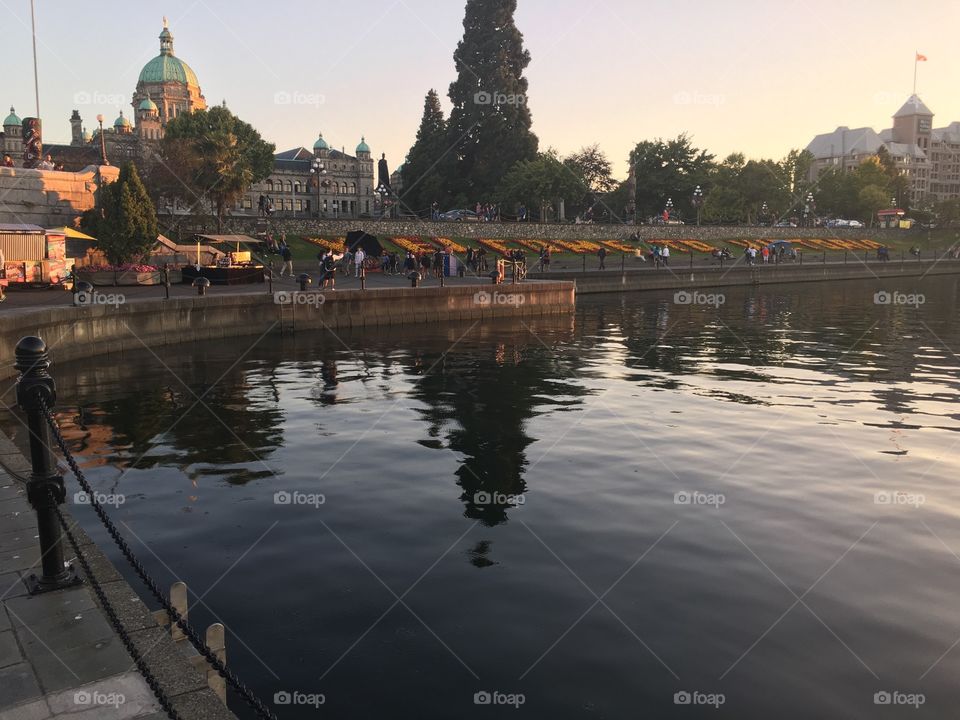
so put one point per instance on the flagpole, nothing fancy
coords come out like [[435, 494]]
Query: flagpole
[[36, 77], [916, 62]]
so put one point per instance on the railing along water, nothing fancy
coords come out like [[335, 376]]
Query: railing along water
[[36, 395]]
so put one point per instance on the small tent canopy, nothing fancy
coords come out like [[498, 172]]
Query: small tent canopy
[[70, 233], [230, 239], [371, 246]]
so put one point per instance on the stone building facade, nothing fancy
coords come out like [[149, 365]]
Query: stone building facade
[[345, 184], [929, 157]]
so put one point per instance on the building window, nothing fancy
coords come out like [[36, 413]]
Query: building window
[[288, 186], [247, 204], [297, 188], [299, 205], [269, 185]]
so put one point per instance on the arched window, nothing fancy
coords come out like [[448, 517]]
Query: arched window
[[288, 186], [297, 187], [353, 188], [335, 187], [269, 185], [343, 188]]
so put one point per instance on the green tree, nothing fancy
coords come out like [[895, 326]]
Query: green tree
[[873, 198], [124, 220], [422, 181], [489, 127], [593, 170], [212, 156], [540, 184], [668, 169]]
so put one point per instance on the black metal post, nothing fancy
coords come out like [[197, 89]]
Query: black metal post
[[363, 278], [166, 280], [304, 280], [269, 275], [45, 489], [441, 277], [201, 284]]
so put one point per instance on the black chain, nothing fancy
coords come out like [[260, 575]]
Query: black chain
[[115, 621], [252, 700]]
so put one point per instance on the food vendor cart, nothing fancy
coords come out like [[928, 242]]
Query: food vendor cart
[[236, 267], [31, 256]]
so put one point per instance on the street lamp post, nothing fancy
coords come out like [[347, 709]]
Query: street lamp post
[[668, 211], [809, 210], [384, 192], [763, 212], [698, 201], [103, 143], [319, 169]]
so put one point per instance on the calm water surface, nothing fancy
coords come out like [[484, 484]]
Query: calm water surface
[[758, 500]]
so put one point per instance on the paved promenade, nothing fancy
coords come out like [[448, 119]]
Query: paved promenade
[[59, 656]]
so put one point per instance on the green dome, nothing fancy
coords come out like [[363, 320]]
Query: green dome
[[321, 144], [148, 104], [12, 118], [121, 121], [168, 68], [363, 147]]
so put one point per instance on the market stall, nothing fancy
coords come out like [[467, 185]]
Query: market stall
[[31, 256], [235, 267]]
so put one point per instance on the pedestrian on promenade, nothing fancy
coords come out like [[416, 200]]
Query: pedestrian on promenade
[[287, 258], [766, 255], [409, 262], [358, 259], [438, 262], [602, 254], [470, 259], [656, 256], [665, 255], [7, 161], [483, 258], [329, 271]]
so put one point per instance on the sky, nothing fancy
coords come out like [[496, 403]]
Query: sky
[[745, 76]]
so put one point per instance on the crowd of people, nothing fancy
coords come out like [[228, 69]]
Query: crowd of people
[[47, 163]]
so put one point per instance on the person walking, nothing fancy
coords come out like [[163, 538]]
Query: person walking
[[602, 254], [656, 256], [329, 271], [287, 258], [358, 260], [665, 255], [438, 262]]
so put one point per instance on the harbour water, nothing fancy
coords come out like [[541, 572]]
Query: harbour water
[[749, 505]]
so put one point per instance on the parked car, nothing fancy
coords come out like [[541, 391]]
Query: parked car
[[458, 215], [786, 224]]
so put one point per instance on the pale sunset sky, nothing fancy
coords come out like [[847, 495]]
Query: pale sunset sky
[[742, 75]]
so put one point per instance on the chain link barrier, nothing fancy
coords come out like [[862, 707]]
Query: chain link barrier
[[175, 617]]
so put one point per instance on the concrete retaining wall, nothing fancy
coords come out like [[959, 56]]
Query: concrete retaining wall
[[73, 333], [680, 277], [186, 226], [49, 198]]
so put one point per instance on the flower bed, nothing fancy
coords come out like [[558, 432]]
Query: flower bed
[[412, 244], [617, 246], [115, 275], [496, 245], [697, 245], [338, 245], [449, 245]]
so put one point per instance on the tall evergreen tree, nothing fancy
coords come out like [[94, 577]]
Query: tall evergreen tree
[[489, 128], [422, 182], [124, 220]]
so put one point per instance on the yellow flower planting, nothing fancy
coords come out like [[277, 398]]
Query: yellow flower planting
[[337, 245], [448, 244]]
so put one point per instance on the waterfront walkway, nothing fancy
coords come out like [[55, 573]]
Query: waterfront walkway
[[59, 655]]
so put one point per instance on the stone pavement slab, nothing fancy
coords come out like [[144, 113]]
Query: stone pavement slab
[[59, 655]]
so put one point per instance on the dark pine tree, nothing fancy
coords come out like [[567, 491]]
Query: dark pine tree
[[489, 127], [422, 182]]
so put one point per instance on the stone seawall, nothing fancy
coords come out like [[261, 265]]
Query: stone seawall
[[184, 227], [680, 277], [72, 333], [49, 198]]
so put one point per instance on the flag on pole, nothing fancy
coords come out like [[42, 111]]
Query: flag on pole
[[921, 58]]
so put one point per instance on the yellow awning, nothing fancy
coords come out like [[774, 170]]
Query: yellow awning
[[71, 233]]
